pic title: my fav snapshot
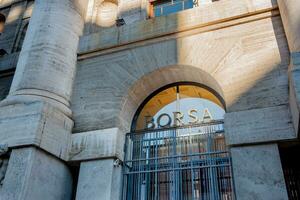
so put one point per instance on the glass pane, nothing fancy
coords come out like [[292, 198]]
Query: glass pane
[[158, 11], [162, 7], [153, 106], [178, 6], [190, 105], [201, 103], [188, 4]]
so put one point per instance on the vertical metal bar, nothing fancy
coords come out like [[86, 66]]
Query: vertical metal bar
[[188, 175]]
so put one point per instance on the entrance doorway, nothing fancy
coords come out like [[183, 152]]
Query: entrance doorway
[[176, 149]]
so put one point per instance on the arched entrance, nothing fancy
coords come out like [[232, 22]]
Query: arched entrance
[[176, 149]]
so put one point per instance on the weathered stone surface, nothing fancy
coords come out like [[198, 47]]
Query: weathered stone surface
[[236, 47], [294, 90], [106, 143], [248, 61], [33, 174], [258, 173], [99, 180], [37, 124], [290, 14], [259, 125], [201, 16], [289, 10], [47, 60]]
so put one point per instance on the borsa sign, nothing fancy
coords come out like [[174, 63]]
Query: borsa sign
[[165, 120]]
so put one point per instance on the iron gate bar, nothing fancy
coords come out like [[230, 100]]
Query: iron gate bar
[[194, 154], [178, 163]]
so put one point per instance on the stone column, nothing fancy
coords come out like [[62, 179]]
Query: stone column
[[36, 113], [47, 62], [290, 14], [37, 109]]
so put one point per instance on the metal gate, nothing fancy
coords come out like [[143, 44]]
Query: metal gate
[[183, 163]]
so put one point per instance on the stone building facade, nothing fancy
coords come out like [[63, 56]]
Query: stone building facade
[[73, 74]]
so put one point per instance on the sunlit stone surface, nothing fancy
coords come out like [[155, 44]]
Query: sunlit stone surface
[[80, 79], [107, 14]]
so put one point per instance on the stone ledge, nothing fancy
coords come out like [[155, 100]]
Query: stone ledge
[[259, 126], [204, 15], [100, 144], [37, 124]]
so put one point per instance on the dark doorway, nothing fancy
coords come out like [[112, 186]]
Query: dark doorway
[[289, 153]]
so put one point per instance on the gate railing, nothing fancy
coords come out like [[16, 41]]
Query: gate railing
[[182, 163]]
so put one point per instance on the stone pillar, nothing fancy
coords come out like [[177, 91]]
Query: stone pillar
[[36, 113], [100, 180], [33, 174], [252, 137], [258, 173], [39, 98], [47, 62], [290, 14]]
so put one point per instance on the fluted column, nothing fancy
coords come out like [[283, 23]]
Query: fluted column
[[47, 62], [290, 14], [35, 117], [37, 110]]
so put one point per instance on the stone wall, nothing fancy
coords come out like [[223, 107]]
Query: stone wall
[[237, 47], [248, 60]]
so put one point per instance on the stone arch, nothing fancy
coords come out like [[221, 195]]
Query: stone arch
[[156, 79]]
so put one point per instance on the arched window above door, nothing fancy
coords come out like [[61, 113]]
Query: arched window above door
[[179, 104], [177, 149]]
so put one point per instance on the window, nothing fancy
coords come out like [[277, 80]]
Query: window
[[165, 7], [180, 98], [177, 149], [2, 23], [22, 36]]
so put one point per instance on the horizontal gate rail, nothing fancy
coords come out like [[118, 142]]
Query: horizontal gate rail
[[178, 163]]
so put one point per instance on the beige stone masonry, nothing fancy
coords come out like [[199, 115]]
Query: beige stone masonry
[[204, 15], [106, 143], [290, 14], [37, 110]]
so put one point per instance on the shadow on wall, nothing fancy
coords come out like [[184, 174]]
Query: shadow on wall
[[247, 86], [251, 71]]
